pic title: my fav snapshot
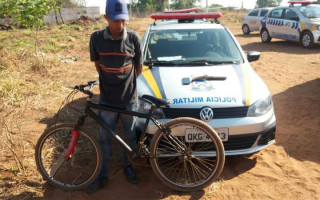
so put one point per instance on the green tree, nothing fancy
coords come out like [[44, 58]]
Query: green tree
[[144, 6], [30, 13], [183, 4], [268, 3], [216, 6], [26, 13], [161, 4], [149, 5]]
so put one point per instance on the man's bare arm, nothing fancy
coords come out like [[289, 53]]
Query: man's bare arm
[[138, 69], [97, 64]]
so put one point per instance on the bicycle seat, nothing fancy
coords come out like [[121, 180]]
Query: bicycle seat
[[155, 100]]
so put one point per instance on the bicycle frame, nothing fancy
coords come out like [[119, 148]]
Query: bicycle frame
[[88, 111]]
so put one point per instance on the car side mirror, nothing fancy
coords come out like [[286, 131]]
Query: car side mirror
[[253, 56]]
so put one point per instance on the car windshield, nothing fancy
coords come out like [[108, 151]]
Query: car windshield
[[310, 11], [191, 47]]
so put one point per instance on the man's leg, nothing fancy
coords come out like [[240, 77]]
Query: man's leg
[[129, 136], [111, 119]]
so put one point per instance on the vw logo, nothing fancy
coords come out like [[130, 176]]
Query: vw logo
[[206, 114]]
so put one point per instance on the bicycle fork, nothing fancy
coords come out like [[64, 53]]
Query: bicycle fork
[[74, 138], [67, 153]]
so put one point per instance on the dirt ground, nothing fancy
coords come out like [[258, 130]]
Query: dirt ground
[[288, 169]]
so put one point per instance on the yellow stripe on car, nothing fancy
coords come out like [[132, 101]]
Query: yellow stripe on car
[[308, 26], [146, 73], [247, 82]]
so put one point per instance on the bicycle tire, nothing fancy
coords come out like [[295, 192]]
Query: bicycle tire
[[191, 169], [75, 173]]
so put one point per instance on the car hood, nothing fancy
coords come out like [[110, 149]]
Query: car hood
[[241, 87]]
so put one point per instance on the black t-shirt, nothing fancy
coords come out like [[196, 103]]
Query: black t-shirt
[[117, 74]]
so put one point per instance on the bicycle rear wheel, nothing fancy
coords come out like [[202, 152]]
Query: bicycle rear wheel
[[187, 164], [68, 174]]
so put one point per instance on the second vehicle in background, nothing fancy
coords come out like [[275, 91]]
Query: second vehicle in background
[[300, 21], [252, 21]]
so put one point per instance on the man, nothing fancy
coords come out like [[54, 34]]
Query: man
[[117, 55]]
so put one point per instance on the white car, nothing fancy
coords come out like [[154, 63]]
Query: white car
[[200, 67], [252, 21], [300, 21]]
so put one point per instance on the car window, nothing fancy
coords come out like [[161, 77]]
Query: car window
[[310, 11], [189, 45], [263, 12], [253, 13], [277, 13], [291, 15]]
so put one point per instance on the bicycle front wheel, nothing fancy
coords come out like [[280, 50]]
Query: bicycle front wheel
[[187, 157], [74, 173]]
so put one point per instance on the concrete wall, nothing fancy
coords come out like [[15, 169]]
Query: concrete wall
[[5, 20], [67, 14], [73, 14]]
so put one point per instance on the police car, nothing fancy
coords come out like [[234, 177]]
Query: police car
[[252, 21], [300, 21], [199, 66]]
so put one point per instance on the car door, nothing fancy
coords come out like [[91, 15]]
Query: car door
[[291, 25], [253, 20], [263, 12], [275, 23]]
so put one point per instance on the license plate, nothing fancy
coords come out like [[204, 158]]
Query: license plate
[[196, 135]]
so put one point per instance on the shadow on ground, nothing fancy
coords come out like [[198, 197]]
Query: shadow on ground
[[298, 120], [277, 46]]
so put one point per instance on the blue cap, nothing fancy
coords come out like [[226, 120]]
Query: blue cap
[[117, 9]]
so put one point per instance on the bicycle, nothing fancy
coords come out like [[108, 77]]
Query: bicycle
[[69, 157]]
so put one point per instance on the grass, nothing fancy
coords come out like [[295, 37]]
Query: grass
[[11, 89]]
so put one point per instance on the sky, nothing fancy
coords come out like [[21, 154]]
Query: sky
[[249, 4]]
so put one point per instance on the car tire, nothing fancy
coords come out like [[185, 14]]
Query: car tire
[[307, 40], [265, 37], [245, 29]]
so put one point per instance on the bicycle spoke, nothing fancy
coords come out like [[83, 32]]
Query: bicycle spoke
[[173, 144], [168, 145], [171, 166], [57, 164], [198, 170], [209, 165]]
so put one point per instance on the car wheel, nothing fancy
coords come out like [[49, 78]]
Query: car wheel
[[245, 29], [265, 37], [307, 40]]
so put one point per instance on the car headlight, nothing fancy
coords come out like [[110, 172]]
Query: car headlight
[[145, 106], [260, 107]]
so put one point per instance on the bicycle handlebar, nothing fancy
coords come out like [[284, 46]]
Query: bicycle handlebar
[[81, 88], [157, 101]]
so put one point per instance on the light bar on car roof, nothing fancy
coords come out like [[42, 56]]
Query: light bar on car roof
[[301, 2], [186, 16], [182, 11]]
